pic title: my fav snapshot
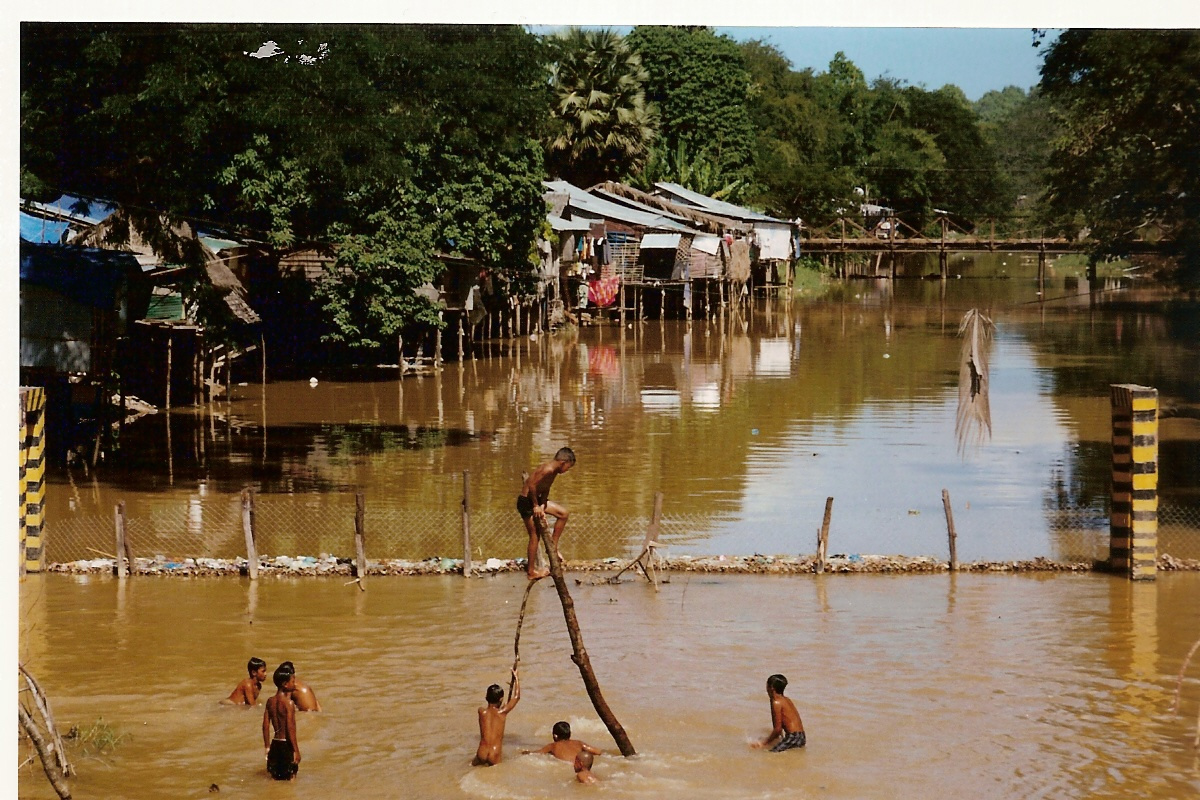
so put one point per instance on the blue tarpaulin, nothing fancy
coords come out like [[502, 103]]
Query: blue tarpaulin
[[85, 275]]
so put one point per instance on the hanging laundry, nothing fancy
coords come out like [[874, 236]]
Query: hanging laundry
[[603, 292]]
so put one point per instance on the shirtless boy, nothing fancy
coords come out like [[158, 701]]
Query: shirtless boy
[[564, 747], [304, 697], [491, 722], [246, 692], [283, 751], [534, 502], [785, 719], [583, 767]]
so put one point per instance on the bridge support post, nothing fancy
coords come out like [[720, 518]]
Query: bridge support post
[[943, 264], [1133, 543]]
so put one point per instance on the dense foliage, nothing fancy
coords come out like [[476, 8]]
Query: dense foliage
[[1127, 165], [601, 125], [381, 143]]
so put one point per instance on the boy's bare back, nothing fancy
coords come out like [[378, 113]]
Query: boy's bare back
[[567, 749], [492, 719]]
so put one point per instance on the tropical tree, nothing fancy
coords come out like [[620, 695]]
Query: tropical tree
[[601, 125], [1127, 163], [700, 84]]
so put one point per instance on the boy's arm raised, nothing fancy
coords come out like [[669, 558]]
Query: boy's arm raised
[[515, 697]]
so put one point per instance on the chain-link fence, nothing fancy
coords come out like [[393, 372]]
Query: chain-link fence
[[317, 524]]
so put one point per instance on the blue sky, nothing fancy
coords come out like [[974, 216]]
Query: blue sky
[[977, 60]]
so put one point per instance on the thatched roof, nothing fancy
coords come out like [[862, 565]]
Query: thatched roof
[[711, 223]]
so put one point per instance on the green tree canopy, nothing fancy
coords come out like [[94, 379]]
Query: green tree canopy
[[1128, 158], [385, 143], [601, 125]]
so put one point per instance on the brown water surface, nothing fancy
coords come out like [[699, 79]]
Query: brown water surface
[[913, 686]]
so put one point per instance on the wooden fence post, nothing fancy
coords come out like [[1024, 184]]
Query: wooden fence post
[[466, 523], [248, 530], [119, 522], [950, 531], [360, 554], [823, 536]]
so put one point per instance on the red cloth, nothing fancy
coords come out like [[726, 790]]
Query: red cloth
[[603, 292]]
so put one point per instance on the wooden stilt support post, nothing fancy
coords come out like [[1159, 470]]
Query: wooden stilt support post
[[248, 531], [167, 404], [580, 654], [823, 536], [466, 524], [119, 524], [460, 339], [360, 553], [950, 532]]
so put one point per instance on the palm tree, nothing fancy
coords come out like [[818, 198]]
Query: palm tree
[[602, 125]]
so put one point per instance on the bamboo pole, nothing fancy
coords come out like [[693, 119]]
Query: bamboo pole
[[248, 530], [579, 654], [466, 528], [170, 340], [517, 639], [360, 555], [823, 536], [950, 531], [119, 524]]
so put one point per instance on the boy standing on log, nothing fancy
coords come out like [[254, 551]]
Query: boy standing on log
[[246, 692], [534, 501], [283, 751], [785, 719], [491, 723]]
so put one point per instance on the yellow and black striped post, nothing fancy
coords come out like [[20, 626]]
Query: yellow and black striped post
[[33, 476], [1133, 546]]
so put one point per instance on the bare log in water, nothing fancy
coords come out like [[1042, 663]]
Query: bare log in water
[[1179, 682], [39, 744], [580, 655], [43, 706]]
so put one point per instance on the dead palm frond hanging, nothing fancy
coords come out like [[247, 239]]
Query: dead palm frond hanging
[[973, 421]]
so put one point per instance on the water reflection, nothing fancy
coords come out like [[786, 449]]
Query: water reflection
[[749, 421]]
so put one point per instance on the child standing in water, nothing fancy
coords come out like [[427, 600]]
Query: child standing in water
[[785, 719], [246, 692], [491, 723], [283, 751]]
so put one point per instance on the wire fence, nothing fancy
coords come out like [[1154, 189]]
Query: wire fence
[[323, 525]]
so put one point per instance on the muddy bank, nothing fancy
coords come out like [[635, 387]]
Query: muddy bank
[[334, 566]]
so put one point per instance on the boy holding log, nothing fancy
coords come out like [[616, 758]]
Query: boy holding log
[[534, 502], [246, 692], [492, 718], [785, 719]]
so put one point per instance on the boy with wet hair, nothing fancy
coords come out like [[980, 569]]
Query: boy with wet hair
[[534, 502], [283, 751], [491, 723], [564, 747], [583, 767], [304, 697], [785, 719], [246, 692]]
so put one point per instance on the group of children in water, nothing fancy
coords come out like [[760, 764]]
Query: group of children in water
[[283, 748]]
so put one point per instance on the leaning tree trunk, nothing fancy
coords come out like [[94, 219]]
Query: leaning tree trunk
[[43, 750], [580, 656]]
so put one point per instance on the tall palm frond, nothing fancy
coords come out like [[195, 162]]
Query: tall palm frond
[[973, 420]]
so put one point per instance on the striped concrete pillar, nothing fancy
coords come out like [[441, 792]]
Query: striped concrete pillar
[[33, 404], [1133, 544]]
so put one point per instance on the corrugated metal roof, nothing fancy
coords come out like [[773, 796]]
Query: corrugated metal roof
[[715, 206], [84, 274], [217, 245], [660, 241], [588, 204], [560, 224], [625, 201]]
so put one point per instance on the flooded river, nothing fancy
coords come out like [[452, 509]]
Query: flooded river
[[981, 686], [746, 427], [911, 686]]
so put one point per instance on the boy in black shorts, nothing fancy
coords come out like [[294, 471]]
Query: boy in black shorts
[[534, 501]]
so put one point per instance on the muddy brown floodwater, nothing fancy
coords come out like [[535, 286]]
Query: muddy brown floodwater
[[939, 686]]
